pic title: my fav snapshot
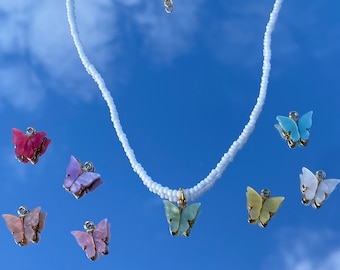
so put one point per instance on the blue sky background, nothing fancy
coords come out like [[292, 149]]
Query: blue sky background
[[184, 85]]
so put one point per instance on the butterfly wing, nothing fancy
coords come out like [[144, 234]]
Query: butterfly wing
[[172, 213], [269, 208], [38, 143], [254, 205], [18, 137], [87, 181], [101, 236], [95, 183], [33, 145], [304, 124], [325, 188], [289, 128], [20, 141], [86, 242], [43, 147], [279, 129], [72, 171], [39, 227], [42, 217], [189, 215], [14, 224], [31, 224], [308, 186]]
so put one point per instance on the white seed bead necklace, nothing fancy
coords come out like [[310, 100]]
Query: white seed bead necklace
[[205, 184]]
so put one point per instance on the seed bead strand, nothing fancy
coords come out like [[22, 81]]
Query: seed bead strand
[[205, 184]]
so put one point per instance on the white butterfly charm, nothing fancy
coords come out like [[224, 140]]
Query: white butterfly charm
[[261, 208], [315, 188], [181, 218]]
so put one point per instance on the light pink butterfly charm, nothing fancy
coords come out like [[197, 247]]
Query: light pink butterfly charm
[[29, 146], [27, 226], [95, 240]]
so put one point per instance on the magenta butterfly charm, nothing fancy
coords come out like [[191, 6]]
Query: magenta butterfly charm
[[27, 226], [29, 146], [81, 179], [95, 240]]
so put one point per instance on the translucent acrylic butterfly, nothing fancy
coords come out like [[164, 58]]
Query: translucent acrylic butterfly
[[294, 129], [95, 240], [315, 188], [81, 179], [261, 208], [29, 146], [181, 218], [27, 226]]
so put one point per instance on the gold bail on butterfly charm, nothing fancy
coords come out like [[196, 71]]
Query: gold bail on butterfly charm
[[182, 203]]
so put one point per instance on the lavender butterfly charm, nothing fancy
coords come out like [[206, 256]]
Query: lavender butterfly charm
[[27, 226], [95, 240], [81, 179]]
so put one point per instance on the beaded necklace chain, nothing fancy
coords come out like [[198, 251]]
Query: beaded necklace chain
[[205, 184]]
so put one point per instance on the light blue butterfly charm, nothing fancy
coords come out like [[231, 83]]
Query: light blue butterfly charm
[[181, 218], [294, 129]]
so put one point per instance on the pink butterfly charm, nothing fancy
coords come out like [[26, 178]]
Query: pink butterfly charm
[[27, 226], [81, 179], [95, 240], [29, 146]]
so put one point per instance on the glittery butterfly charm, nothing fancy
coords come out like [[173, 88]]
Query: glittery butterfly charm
[[95, 240], [261, 208], [315, 188], [294, 129], [29, 146], [181, 218], [81, 179], [27, 226]]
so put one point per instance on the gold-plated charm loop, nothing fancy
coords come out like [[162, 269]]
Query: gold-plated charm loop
[[168, 6], [182, 203]]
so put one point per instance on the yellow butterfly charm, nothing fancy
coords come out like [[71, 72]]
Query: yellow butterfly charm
[[260, 207]]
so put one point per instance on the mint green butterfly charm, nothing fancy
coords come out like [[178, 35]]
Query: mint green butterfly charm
[[181, 218]]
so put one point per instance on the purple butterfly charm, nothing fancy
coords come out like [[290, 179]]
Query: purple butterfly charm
[[95, 240], [81, 179], [27, 226]]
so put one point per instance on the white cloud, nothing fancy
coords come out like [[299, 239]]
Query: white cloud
[[306, 250], [239, 34], [20, 86], [130, 3], [35, 39], [301, 30], [37, 47], [35, 36], [169, 35], [330, 261]]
